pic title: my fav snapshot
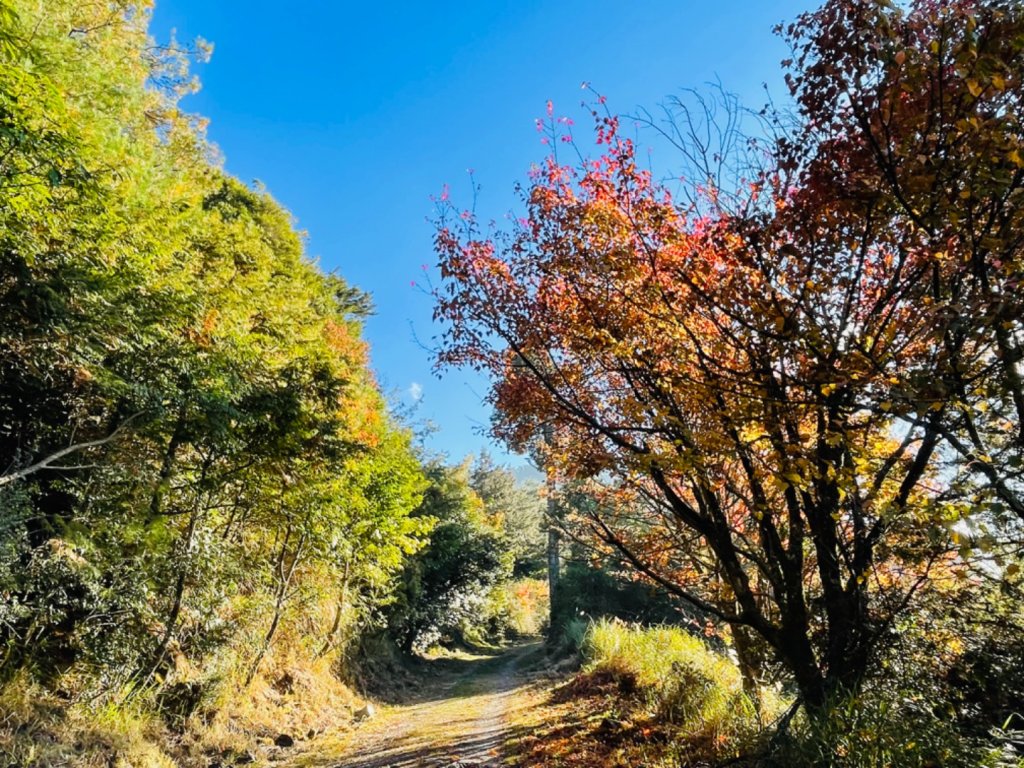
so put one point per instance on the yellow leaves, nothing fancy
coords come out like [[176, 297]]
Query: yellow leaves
[[1014, 156], [787, 480], [828, 389], [998, 82], [974, 87]]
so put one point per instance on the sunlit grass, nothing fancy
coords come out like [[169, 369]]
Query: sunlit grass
[[685, 684], [39, 729]]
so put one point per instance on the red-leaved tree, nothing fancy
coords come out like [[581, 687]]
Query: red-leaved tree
[[764, 380]]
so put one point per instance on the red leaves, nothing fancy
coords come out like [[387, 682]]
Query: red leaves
[[739, 372]]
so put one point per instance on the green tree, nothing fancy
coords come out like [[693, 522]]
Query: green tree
[[449, 581], [192, 446], [517, 508]]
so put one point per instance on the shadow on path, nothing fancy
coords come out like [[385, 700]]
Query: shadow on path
[[457, 720], [446, 677], [483, 750]]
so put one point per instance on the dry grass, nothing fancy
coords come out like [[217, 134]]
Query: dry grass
[[39, 729], [295, 693]]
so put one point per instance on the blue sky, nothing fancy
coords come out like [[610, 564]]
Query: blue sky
[[354, 114]]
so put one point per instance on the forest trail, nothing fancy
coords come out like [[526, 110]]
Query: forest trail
[[460, 719]]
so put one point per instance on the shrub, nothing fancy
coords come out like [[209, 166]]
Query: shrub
[[595, 590], [869, 731], [513, 609], [686, 684]]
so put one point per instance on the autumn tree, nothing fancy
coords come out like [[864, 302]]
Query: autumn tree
[[769, 380], [912, 140]]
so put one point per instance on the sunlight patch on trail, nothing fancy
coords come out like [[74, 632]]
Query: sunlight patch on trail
[[460, 722]]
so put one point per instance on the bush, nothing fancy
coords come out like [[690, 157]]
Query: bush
[[598, 590], [685, 683], [513, 609], [905, 716], [950, 681], [573, 636], [869, 731]]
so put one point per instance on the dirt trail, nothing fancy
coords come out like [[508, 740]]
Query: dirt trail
[[458, 721]]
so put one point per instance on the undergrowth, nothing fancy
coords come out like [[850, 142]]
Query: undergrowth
[[657, 697], [660, 697], [691, 688], [195, 717]]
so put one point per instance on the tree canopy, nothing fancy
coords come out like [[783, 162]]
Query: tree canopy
[[188, 420], [795, 383]]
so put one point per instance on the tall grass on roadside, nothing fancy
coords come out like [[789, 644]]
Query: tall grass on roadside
[[685, 684], [37, 728]]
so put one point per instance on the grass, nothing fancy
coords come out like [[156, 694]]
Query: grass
[[296, 692], [652, 696], [39, 729], [686, 684], [682, 676]]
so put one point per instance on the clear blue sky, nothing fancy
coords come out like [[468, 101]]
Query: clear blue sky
[[353, 114]]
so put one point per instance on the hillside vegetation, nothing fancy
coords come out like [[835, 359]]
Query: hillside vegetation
[[205, 502]]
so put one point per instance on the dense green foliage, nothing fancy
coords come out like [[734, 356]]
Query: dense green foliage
[[200, 483], [515, 507], [194, 457], [487, 529]]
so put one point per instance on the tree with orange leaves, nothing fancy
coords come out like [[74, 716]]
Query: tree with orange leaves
[[913, 120], [759, 372]]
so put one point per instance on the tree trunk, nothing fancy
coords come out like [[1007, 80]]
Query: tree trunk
[[554, 568], [750, 662], [284, 582], [167, 465], [180, 583]]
